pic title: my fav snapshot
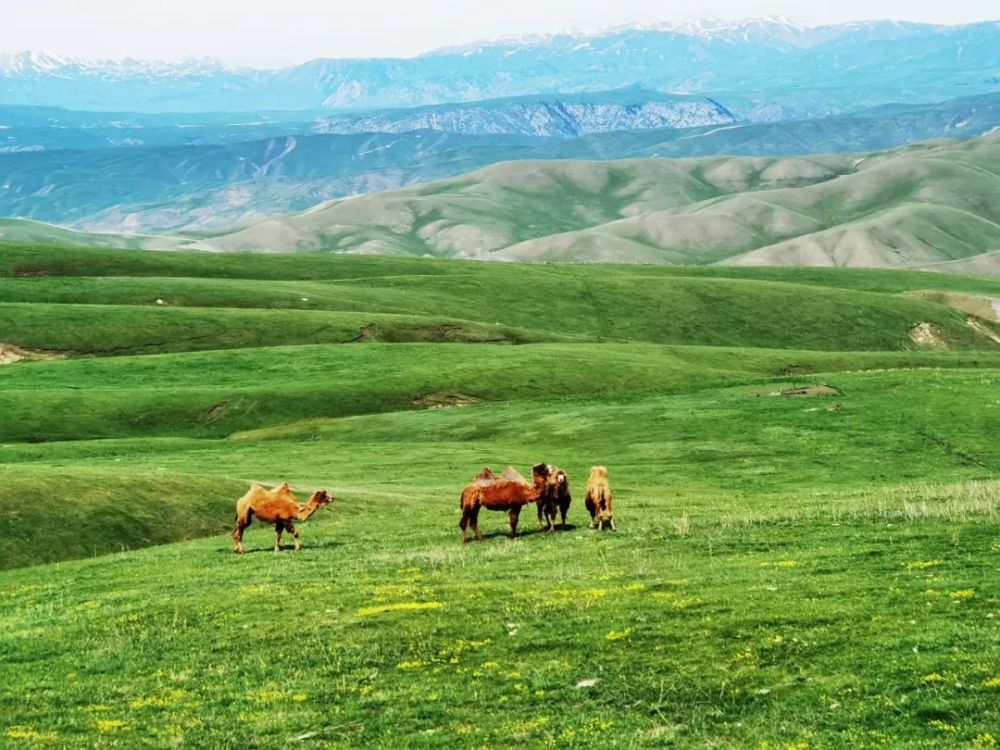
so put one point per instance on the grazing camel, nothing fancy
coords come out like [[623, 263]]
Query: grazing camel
[[508, 492], [279, 507], [598, 500], [554, 485]]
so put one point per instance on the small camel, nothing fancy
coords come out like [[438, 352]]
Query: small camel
[[599, 499], [279, 507]]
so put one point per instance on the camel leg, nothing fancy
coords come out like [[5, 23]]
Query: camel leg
[[562, 514], [550, 516], [238, 536], [612, 522], [475, 524], [541, 510], [278, 528], [295, 535], [464, 524], [512, 516]]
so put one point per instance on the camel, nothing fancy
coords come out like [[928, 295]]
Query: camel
[[279, 507], [555, 495], [508, 492], [598, 500]]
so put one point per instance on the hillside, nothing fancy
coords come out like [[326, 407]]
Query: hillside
[[804, 465], [914, 207]]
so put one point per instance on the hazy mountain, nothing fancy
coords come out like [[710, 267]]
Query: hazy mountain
[[51, 128], [917, 206], [215, 187], [761, 70]]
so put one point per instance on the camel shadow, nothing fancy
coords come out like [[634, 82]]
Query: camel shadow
[[331, 544], [528, 532]]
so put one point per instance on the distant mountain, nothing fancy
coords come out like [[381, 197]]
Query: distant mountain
[[761, 70], [218, 186], [919, 206], [557, 115], [50, 128]]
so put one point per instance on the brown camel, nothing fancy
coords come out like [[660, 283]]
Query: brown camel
[[555, 495], [279, 507], [598, 500], [508, 492]]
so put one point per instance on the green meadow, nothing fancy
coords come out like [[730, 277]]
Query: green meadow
[[807, 491]]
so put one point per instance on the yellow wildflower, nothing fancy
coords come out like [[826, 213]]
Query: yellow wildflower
[[923, 564], [106, 726], [401, 607]]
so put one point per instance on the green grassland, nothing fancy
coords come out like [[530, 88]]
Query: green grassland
[[790, 571]]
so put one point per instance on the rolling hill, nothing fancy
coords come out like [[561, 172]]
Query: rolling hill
[[914, 207]]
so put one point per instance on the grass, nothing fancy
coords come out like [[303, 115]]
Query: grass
[[790, 572], [45, 303]]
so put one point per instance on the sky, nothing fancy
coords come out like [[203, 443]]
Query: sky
[[274, 33]]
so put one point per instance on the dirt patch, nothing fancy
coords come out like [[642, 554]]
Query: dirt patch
[[979, 305], [443, 400], [928, 336], [10, 353], [365, 333], [983, 330], [809, 390], [831, 408]]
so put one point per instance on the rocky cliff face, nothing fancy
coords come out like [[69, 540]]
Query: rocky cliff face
[[559, 118]]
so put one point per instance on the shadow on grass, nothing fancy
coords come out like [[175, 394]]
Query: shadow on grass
[[329, 544], [524, 532]]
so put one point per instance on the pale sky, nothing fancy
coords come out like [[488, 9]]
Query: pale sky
[[283, 32]]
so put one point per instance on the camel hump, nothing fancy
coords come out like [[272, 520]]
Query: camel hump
[[510, 474]]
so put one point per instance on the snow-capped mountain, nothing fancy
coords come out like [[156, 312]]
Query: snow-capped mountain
[[761, 69]]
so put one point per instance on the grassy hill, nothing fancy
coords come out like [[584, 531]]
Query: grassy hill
[[918, 206], [769, 542]]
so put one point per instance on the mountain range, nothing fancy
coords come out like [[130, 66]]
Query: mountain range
[[757, 142], [29, 129], [761, 70]]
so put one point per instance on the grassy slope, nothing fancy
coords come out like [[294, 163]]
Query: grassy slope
[[454, 302], [38, 262], [769, 545], [213, 394]]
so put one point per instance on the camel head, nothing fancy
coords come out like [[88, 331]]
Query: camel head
[[321, 497]]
